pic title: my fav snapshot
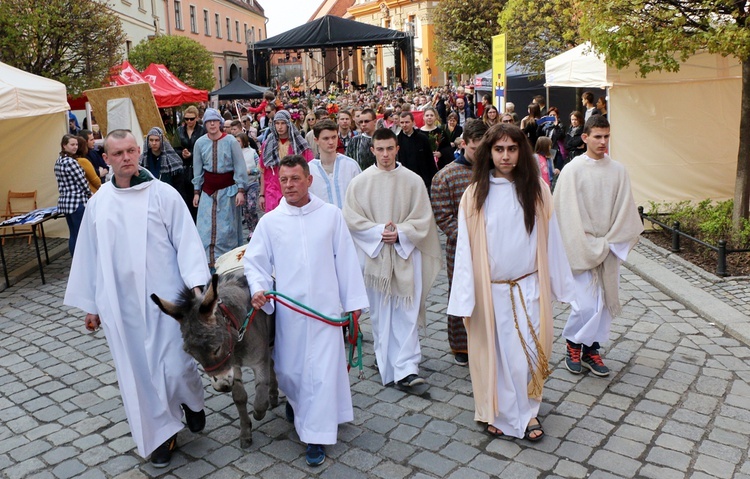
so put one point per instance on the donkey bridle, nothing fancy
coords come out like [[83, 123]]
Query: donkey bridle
[[231, 320]]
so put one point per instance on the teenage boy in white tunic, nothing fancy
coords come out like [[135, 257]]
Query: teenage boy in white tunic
[[332, 172]]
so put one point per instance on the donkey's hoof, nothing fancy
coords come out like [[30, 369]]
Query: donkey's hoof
[[258, 415], [274, 400], [245, 443]]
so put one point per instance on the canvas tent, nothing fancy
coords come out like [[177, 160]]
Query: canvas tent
[[239, 89], [165, 95], [160, 76], [677, 133], [33, 119]]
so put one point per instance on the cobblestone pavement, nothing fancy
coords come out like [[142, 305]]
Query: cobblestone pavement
[[676, 405], [18, 252]]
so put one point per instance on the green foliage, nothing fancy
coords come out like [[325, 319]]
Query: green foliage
[[463, 34], [75, 42], [190, 61], [709, 221], [657, 35], [537, 31]]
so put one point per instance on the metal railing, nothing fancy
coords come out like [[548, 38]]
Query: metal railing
[[721, 248]]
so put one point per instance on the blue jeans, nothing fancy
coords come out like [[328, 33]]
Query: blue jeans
[[74, 224]]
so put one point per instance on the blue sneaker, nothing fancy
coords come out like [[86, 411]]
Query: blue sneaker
[[315, 455]]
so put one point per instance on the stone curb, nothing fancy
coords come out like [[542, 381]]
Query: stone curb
[[704, 304], [32, 266]]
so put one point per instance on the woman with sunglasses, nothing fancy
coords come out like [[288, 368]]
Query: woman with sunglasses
[[188, 133]]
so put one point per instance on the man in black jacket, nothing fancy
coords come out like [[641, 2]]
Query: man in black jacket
[[415, 152]]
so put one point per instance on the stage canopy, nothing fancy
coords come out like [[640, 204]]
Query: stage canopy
[[239, 89], [330, 32]]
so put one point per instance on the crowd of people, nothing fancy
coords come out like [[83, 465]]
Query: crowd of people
[[342, 202]]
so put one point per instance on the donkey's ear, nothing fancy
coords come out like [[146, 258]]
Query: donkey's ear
[[168, 308], [209, 299]]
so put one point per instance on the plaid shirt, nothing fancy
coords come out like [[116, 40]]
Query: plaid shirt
[[71, 185]]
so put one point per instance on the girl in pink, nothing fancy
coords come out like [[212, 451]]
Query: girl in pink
[[543, 147]]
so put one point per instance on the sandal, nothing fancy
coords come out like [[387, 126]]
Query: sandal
[[531, 428], [497, 433]]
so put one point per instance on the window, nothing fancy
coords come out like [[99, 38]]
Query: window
[[193, 20], [252, 34], [206, 23], [218, 25], [245, 33], [221, 76], [178, 15], [237, 30], [128, 46], [412, 25], [229, 30]]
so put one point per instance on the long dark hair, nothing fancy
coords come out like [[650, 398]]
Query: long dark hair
[[525, 174]]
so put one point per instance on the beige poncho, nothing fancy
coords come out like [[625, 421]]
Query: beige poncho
[[376, 197], [595, 208]]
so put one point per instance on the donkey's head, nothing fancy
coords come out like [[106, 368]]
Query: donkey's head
[[206, 337]]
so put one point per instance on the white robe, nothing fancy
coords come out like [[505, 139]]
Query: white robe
[[314, 260], [395, 327], [590, 321], [134, 242], [332, 188], [512, 254]]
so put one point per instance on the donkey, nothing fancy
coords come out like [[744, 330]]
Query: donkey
[[210, 329]]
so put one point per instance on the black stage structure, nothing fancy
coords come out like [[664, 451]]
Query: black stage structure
[[331, 32]]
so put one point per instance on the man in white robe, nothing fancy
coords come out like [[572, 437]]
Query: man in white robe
[[504, 279], [305, 245], [138, 238], [388, 213], [600, 225], [332, 172]]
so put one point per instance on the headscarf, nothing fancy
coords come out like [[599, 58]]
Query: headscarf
[[271, 147], [212, 114], [170, 161]]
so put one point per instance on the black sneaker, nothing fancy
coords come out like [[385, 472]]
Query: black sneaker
[[289, 412], [315, 455], [593, 361], [573, 359], [410, 380], [196, 421], [162, 456], [462, 359]]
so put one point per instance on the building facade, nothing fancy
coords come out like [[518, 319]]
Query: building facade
[[141, 19], [377, 64], [225, 27]]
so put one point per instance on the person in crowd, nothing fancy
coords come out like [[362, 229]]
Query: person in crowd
[[438, 141], [587, 99], [138, 239], [250, 210], [415, 151], [448, 187], [318, 115], [510, 264], [344, 121], [359, 146], [188, 134], [388, 213], [574, 144], [220, 180], [600, 225], [93, 155], [72, 187], [463, 111], [284, 139], [267, 121], [332, 172], [507, 118], [482, 107], [542, 103], [160, 159], [92, 178], [491, 116], [543, 155], [601, 106], [304, 248], [529, 123], [387, 121], [510, 109], [451, 133], [250, 127], [554, 130]]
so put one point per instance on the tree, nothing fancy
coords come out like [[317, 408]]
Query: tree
[[190, 61], [659, 34], [537, 31], [75, 42], [463, 32]]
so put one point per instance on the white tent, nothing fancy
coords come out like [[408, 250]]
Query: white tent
[[33, 120], [677, 133]]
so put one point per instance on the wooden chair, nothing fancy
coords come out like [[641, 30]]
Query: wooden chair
[[19, 203]]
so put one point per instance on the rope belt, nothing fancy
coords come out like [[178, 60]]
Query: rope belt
[[540, 362]]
